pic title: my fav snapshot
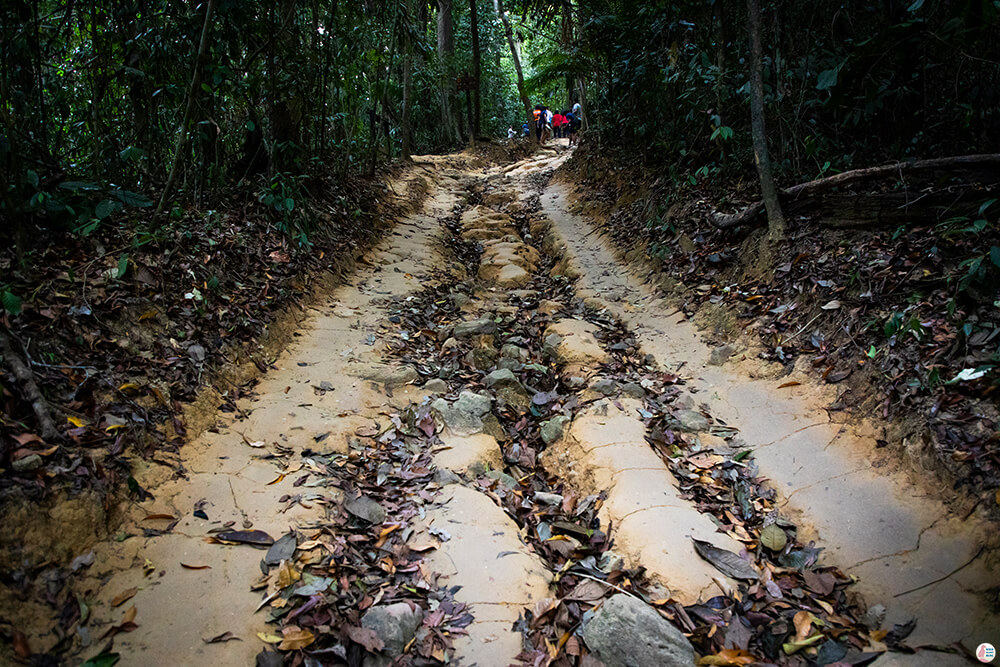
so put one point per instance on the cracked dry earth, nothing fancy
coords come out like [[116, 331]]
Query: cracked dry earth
[[497, 446]]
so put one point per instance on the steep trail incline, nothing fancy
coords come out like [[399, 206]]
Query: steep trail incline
[[496, 446]]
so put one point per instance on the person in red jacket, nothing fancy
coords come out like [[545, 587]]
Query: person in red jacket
[[558, 120]]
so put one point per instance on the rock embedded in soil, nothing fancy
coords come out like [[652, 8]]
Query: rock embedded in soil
[[633, 390], [720, 355], [692, 421], [27, 464], [483, 325], [465, 415], [504, 275], [436, 386], [389, 376], [481, 358], [501, 378], [466, 452], [552, 430], [511, 351], [395, 624], [605, 386], [626, 632], [458, 299], [578, 346]]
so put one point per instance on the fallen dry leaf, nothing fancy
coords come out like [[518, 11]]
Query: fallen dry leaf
[[123, 597], [295, 638]]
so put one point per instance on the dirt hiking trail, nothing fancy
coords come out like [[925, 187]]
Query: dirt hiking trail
[[497, 445]]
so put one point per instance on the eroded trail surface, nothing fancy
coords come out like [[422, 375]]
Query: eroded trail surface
[[496, 446]]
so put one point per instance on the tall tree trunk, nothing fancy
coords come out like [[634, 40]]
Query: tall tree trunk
[[502, 13], [404, 120], [182, 130], [775, 217], [476, 68], [446, 56]]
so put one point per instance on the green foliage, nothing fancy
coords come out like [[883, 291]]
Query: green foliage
[[10, 301]]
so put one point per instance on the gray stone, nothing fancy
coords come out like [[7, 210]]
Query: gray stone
[[605, 386], [626, 632], [444, 477], [511, 351], [481, 358], [481, 326], [436, 386], [575, 382], [27, 464], [552, 430], [633, 390], [366, 508], [449, 344], [720, 355], [692, 421], [551, 344], [390, 376], [465, 415], [548, 498], [458, 299], [503, 478], [395, 624], [500, 378], [515, 395], [510, 364], [684, 402]]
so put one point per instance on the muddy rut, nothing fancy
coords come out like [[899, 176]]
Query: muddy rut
[[497, 446]]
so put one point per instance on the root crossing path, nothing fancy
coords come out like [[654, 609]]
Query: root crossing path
[[496, 446]]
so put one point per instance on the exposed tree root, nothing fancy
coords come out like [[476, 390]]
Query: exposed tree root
[[954, 164], [24, 375]]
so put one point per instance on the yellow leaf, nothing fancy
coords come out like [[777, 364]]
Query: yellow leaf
[[296, 638], [75, 422], [276, 480], [728, 658], [795, 646], [269, 639], [129, 615], [123, 597], [287, 574], [114, 427], [803, 625], [128, 386], [148, 314]]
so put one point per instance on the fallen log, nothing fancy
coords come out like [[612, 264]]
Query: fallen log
[[26, 378], [957, 163]]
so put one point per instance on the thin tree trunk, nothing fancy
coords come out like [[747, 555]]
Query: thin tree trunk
[[446, 56], [476, 68], [188, 108], [775, 217], [404, 121], [498, 6]]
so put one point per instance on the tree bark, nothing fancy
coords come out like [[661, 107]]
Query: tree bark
[[446, 56], [24, 375], [405, 131], [476, 68], [509, 33], [188, 108], [775, 217], [810, 188]]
